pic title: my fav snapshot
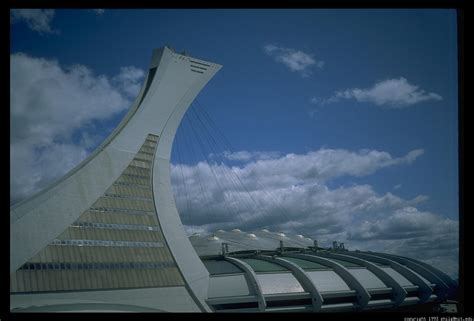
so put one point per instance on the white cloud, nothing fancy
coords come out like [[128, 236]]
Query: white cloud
[[49, 104], [295, 182], [317, 100], [295, 60], [401, 224], [38, 20], [325, 164], [245, 156], [129, 80], [291, 193], [390, 93], [98, 11], [409, 232]]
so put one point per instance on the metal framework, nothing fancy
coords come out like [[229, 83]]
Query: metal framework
[[363, 296], [440, 274], [423, 287], [252, 278], [301, 276], [344, 280], [399, 293], [441, 289]]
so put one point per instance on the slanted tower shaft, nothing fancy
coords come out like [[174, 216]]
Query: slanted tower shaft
[[112, 223]]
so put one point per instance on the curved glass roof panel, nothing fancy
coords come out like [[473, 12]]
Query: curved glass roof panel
[[421, 276], [305, 264], [397, 276], [374, 262], [377, 263], [345, 263], [264, 266], [227, 286], [279, 283], [216, 267], [367, 278], [326, 281]]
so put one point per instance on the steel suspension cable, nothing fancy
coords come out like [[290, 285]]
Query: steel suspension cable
[[190, 147], [200, 143], [229, 177], [250, 204], [230, 147]]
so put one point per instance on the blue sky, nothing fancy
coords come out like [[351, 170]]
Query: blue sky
[[365, 98]]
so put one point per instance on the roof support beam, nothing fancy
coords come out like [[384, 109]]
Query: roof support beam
[[399, 293], [423, 286], [443, 276], [252, 278], [441, 288], [301, 276], [363, 297]]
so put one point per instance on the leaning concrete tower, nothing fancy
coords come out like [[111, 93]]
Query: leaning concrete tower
[[108, 232]]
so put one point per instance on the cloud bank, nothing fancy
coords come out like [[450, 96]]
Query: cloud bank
[[390, 93], [295, 60], [38, 20], [292, 193], [98, 11], [53, 115]]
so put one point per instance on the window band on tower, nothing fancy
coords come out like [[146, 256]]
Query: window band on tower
[[119, 233]]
